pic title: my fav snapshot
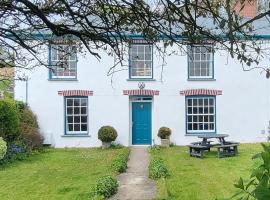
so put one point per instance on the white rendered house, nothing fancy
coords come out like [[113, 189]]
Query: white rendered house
[[200, 90]]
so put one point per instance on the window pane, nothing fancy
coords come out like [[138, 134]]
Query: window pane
[[141, 60], [70, 127], [76, 102], [76, 110], [63, 60], [200, 62], [77, 119], [70, 119], [189, 126], [189, 102], [84, 119], [77, 127], [76, 115], [69, 102], [69, 111], [83, 110], [83, 102], [199, 117], [84, 127]]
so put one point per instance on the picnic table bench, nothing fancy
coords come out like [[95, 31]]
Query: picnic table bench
[[224, 148], [229, 149]]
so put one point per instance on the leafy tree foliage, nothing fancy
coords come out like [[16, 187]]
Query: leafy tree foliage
[[106, 25], [258, 187]]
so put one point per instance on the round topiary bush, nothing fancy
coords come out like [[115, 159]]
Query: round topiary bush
[[106, 186], [164, 132], [107, 134], [3, 148]]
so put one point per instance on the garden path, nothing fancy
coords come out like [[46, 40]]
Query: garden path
[[135, 184]]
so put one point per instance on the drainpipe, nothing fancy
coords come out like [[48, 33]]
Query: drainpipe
[[26, 90]]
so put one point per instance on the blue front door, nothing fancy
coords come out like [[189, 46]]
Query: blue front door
[[141, 123]]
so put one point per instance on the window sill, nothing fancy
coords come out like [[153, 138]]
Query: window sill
[[201, 79], [62, 79], [76, 135], [141, 79]]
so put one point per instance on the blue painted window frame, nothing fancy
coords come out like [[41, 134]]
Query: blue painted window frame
[[129, 63], [65, 117], [190, 78], [186, 115], [50, 70]]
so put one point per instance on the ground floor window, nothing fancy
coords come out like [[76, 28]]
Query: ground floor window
[[76, 115], [201, 114]]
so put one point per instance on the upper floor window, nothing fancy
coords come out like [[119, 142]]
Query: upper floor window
[[200, 62], [141, 62], [201, 114], [76, 110], [63, 61]]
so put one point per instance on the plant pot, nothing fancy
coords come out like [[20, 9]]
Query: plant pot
[[165, 142], [106, 145]]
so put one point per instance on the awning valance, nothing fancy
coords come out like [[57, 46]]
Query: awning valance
[[75, 93], [191, 92], [141, 92]]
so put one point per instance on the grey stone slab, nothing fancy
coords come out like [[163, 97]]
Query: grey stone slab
[[135, 184]]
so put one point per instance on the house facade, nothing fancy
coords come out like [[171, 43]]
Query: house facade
[[200, 89]]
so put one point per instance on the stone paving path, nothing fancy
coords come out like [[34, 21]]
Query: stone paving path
[[135, 184]]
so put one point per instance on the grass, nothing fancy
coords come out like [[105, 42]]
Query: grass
[[56, 174], [203, 179]]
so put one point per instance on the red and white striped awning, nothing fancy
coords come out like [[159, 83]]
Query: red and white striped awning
[[141, 92], [75, 93], [191, 92]]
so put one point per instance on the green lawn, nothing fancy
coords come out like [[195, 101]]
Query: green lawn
[[204, 179], [56, 174]]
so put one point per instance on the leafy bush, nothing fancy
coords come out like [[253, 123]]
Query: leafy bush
[[164, 132], [3, 148], [119, 164], [9, 118], [157, 169], [16, 150], [28, 128], [106, 186], [107, 134], [258, 187]]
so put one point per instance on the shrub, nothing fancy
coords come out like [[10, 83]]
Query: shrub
[[3, 148], [16, 150], [258, 187], [107, 134], [119, 164], [106, 186], [9, 120], [157, 169], [28, 128], [164, 132]]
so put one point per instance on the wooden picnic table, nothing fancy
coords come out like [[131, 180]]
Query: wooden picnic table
[[224, 148], [220, 137]]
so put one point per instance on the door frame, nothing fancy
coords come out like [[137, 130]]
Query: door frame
[[140, 99]]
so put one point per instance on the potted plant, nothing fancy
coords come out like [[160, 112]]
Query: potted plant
[[107, 134], [164, 134]]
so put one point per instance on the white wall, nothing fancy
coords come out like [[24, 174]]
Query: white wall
[[242, 109]]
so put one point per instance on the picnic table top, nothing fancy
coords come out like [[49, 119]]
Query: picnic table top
[[211, 135]]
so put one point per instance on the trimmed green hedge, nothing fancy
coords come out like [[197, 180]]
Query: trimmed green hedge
[[106, 186], [157, 168], [119, 164], [9, 118]]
